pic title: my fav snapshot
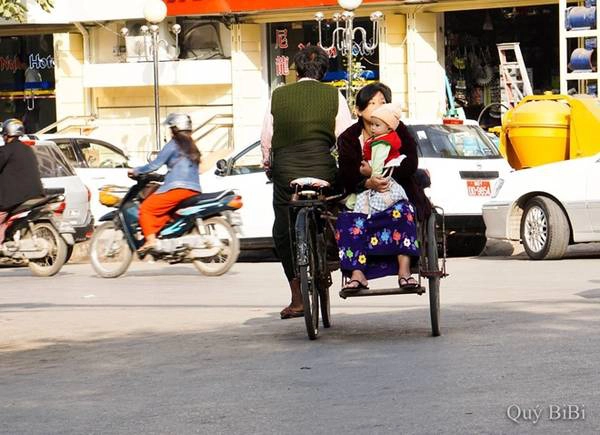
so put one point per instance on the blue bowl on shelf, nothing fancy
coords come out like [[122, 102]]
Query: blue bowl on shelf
[[580, 18], [581, 60]]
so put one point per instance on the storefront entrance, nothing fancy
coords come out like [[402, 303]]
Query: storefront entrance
[[27, 80], [472, 56]]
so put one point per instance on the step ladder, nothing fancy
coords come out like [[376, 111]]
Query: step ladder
[[514, 80]]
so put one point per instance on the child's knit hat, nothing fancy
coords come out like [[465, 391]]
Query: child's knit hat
[[389, 113]]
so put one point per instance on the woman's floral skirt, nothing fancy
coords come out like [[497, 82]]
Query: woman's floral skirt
[[372, 244]]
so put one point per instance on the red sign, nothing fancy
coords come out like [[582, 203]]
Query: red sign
[[281, 38], [282, 67], [200, 7]]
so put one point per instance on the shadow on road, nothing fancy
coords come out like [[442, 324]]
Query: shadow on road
[[377, 370]]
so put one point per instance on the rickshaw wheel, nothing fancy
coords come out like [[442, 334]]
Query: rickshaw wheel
[[324, 282], [325, 307], [434, 279]]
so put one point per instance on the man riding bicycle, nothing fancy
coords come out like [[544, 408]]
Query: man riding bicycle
[[299, 131]]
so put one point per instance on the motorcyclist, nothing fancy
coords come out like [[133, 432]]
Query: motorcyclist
[[182, 157], [19, 173]]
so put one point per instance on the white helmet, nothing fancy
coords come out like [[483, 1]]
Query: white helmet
[[180, 121], [13, 127]]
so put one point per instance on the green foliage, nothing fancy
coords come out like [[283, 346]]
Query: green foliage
[[16, 9]]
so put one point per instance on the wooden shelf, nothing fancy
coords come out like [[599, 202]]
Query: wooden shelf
[[565, 50], [582, 76], [581, 33]]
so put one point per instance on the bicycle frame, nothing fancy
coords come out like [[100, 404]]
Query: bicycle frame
[[315, 209]]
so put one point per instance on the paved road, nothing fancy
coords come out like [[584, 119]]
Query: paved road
[[164, 350]]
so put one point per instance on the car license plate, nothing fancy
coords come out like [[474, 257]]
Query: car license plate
[[479, 188]]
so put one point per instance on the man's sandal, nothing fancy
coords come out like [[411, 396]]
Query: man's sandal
[[288, 313]]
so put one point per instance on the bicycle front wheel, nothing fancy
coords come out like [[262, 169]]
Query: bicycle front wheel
[[308, 271]]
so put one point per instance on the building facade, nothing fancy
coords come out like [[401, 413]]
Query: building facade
[[85, 77]]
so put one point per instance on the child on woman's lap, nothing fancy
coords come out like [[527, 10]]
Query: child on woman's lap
[[381, 154]]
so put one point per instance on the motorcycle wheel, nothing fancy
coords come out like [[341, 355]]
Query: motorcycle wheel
[[110, 253], [221, 262], [57, 250]]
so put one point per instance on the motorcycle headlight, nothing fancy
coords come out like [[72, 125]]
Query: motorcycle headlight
[[497, 186]]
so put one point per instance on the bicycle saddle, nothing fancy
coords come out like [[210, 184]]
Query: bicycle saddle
[[309, 182]]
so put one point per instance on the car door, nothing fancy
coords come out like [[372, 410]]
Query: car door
[[103, 165], [593, 194], [245, 174]]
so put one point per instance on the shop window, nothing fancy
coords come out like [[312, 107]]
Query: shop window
[[472, 56], [285, 39], [199, 39], [138, 47], [27, 80], [204, 39]]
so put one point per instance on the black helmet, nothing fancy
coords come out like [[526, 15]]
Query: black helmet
[[13, 127]]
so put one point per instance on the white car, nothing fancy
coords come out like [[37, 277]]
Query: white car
[[547, 207], [97, 163], [463, 164], [461, 160], [56, 172], [243, 172]]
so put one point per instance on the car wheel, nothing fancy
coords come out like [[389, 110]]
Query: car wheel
[[544, 229]]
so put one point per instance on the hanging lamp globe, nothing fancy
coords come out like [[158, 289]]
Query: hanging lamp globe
[[349, 5], [155, 11]]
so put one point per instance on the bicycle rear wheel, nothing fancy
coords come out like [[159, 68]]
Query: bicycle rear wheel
[[308, 270]]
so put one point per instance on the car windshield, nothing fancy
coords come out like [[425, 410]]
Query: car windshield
[[51, 162], [453, 141]]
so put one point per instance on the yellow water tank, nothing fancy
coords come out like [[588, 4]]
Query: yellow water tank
[[539, 132]]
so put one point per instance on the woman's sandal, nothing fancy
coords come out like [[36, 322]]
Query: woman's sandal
[[288, 313], [146, 248], [349, 288], [407, 282]]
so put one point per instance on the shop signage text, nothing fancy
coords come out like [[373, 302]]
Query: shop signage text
[[13, 64], [281, 38], [38, 62], [282, 65]]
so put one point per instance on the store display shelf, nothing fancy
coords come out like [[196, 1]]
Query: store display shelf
[[582, 76], [581, 33]]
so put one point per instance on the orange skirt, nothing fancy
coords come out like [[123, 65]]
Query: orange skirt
[[155, 211]]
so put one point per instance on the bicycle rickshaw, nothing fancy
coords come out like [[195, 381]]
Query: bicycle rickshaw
[[314, 219]]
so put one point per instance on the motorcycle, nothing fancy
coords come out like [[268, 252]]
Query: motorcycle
[[36, 235], [202, 230]]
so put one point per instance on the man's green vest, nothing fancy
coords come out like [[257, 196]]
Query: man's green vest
[[304, 112]]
